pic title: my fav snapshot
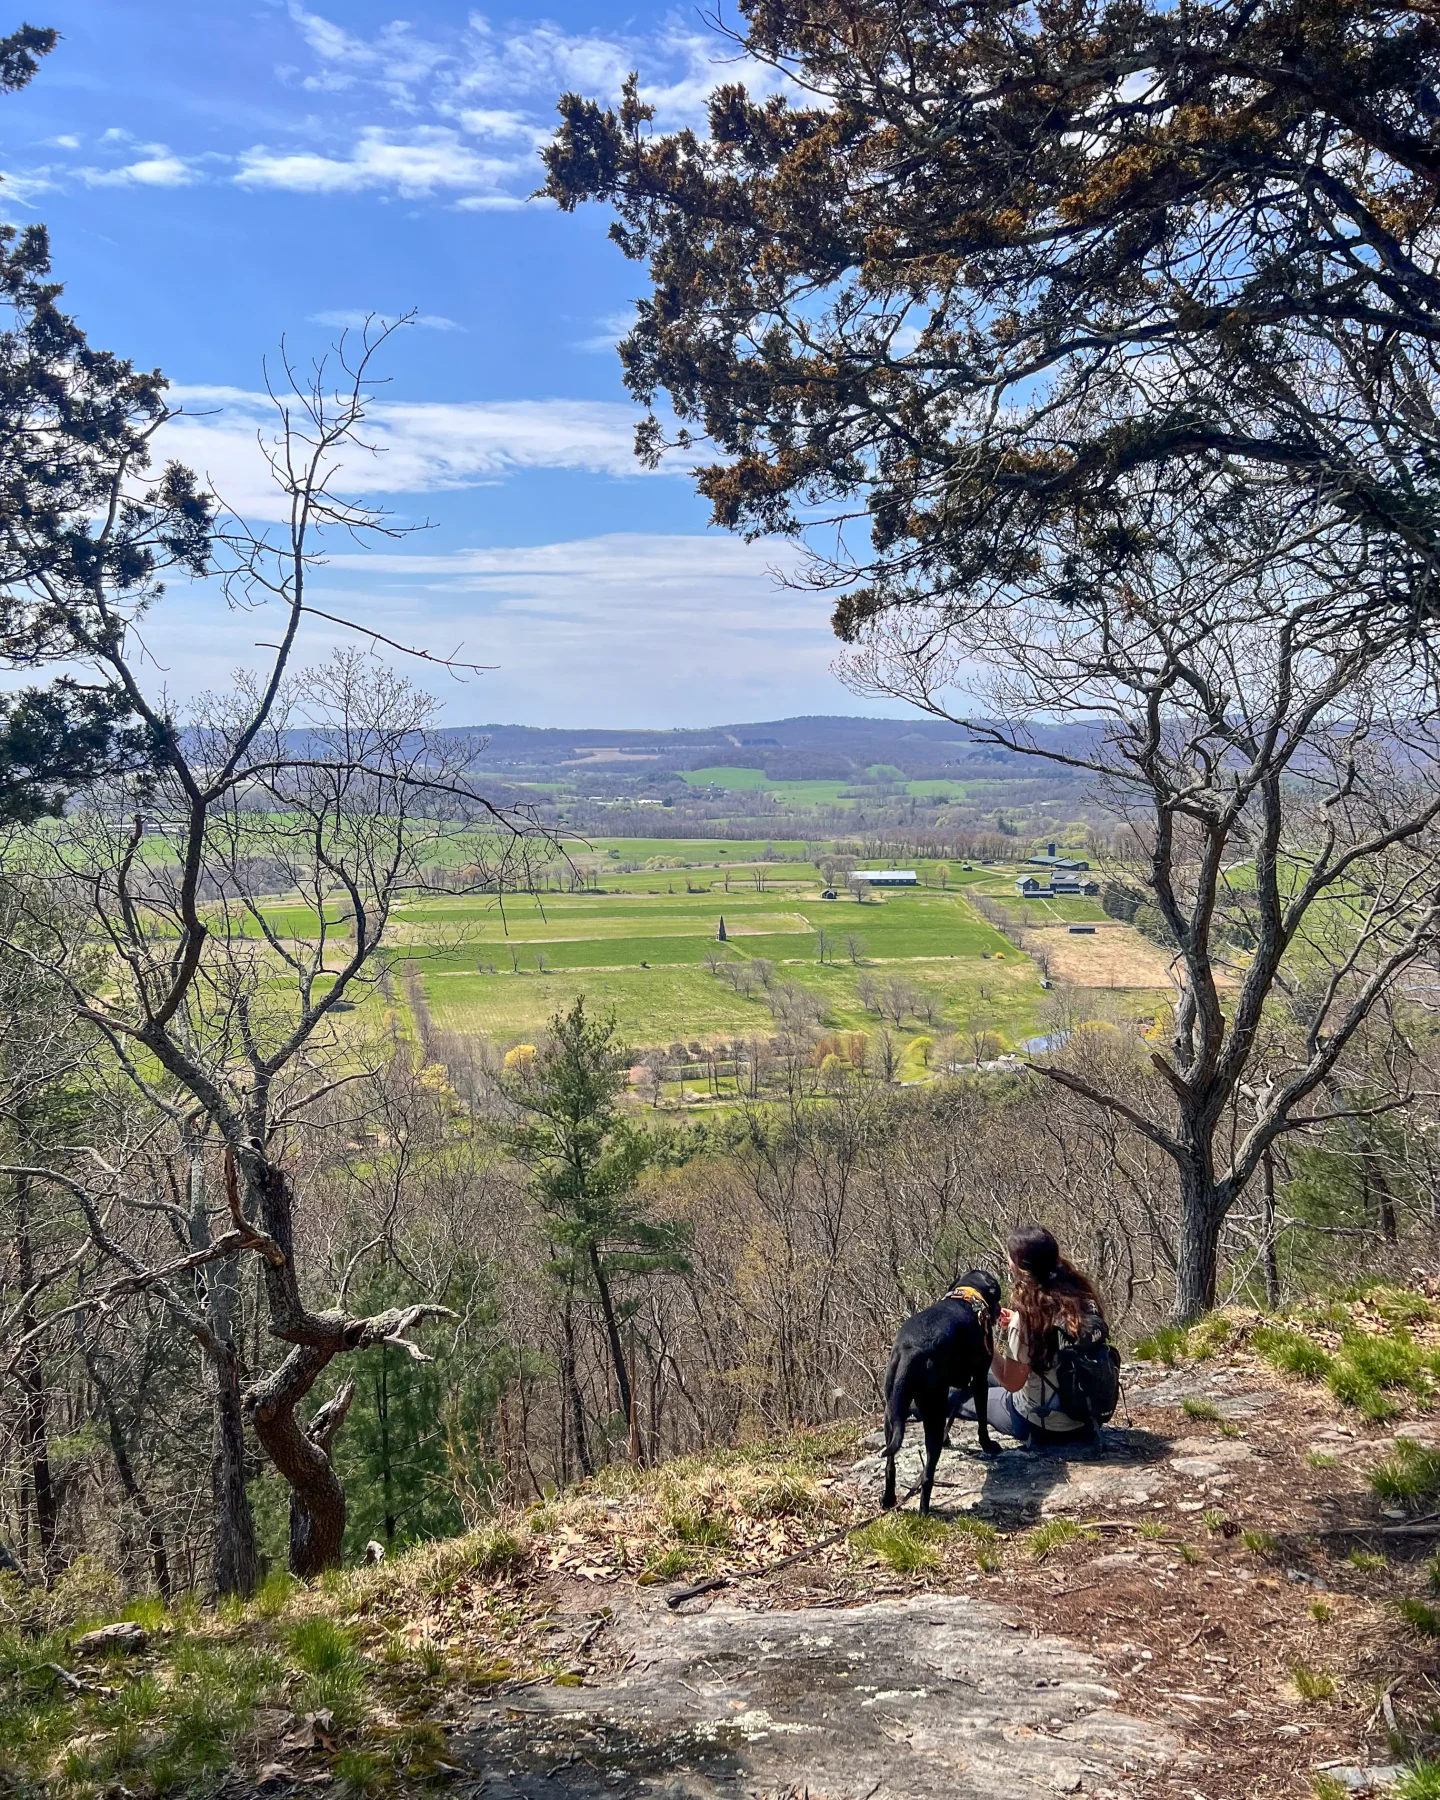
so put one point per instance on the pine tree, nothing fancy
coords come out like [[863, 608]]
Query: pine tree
[[88, 532], [585, 1162]]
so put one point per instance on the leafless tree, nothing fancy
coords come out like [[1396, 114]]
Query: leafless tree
[[983, 1042], [884, 1056], [1263, 719], [928, 1005], [224, 1019], [896, 1001]]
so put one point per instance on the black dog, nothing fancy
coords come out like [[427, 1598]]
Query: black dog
[[949, 1345]]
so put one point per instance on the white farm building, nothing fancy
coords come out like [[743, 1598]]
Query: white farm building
[[887, 877]]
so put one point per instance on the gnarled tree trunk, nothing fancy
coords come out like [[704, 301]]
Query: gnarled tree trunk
[[301, 1452], [34, 1427], [235, 1555]]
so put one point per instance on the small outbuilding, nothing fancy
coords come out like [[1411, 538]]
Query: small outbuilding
[[887, 877]]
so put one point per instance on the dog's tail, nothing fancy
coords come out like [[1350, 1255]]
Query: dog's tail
[[897, 1399]]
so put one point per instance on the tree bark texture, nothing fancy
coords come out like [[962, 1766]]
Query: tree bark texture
[[612, 1331], [1201, 1214], [30, 1375], [573, 1395], [1269, 1245], [235, 1567], [235, 1554]]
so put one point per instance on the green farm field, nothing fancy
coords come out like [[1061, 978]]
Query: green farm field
[[643, 940], [683, 1001], [811, 793], [641, 946]]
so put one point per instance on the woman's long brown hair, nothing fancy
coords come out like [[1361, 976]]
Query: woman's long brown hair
[[1048, 1290]]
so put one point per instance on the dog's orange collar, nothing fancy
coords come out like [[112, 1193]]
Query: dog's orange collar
[[972, 1297]]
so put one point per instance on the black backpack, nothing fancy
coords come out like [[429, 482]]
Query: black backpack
[[1084, 1370]]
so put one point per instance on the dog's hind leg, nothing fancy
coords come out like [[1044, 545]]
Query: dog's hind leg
[[896, 1404], [935, 1423]]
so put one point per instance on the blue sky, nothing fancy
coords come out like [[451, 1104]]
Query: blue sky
[[218, 174]]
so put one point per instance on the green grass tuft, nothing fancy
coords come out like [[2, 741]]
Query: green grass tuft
[[1421, 1781], [1291, 1351], [1368, 1562], [1210, 1336], [1402, 1306], [705, 1529], [908, 1542], [1260, 1543], [1420, 1616], [320, 1646], [1411, 1475], [360, 1772], [1321, 1459], [668, 1564], [274, 1594], [1201, 1409], [1167, 1345], [1055, 1533], [1322, 1612], [1312, 1684]]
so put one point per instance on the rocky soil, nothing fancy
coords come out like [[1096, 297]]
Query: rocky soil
[[1163, 1650]]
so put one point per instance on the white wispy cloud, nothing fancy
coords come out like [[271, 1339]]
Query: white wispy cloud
[[394, 59], [427, 158], [679, 68], [457, 117], [158, 169], [632, 628], [20, 188], [622, 629], [417, 447], [356, 319], [610, 331], [481, 85]]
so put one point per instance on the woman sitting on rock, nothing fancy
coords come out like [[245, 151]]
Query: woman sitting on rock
[[1053, 1337]]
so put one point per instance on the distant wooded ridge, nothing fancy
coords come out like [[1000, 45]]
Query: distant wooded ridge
[[787, 749]]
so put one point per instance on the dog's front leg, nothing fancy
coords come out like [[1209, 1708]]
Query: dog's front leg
[[887, 1499], [980, 1394]]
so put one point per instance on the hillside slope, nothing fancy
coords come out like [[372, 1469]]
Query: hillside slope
[[1230, 1599]]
